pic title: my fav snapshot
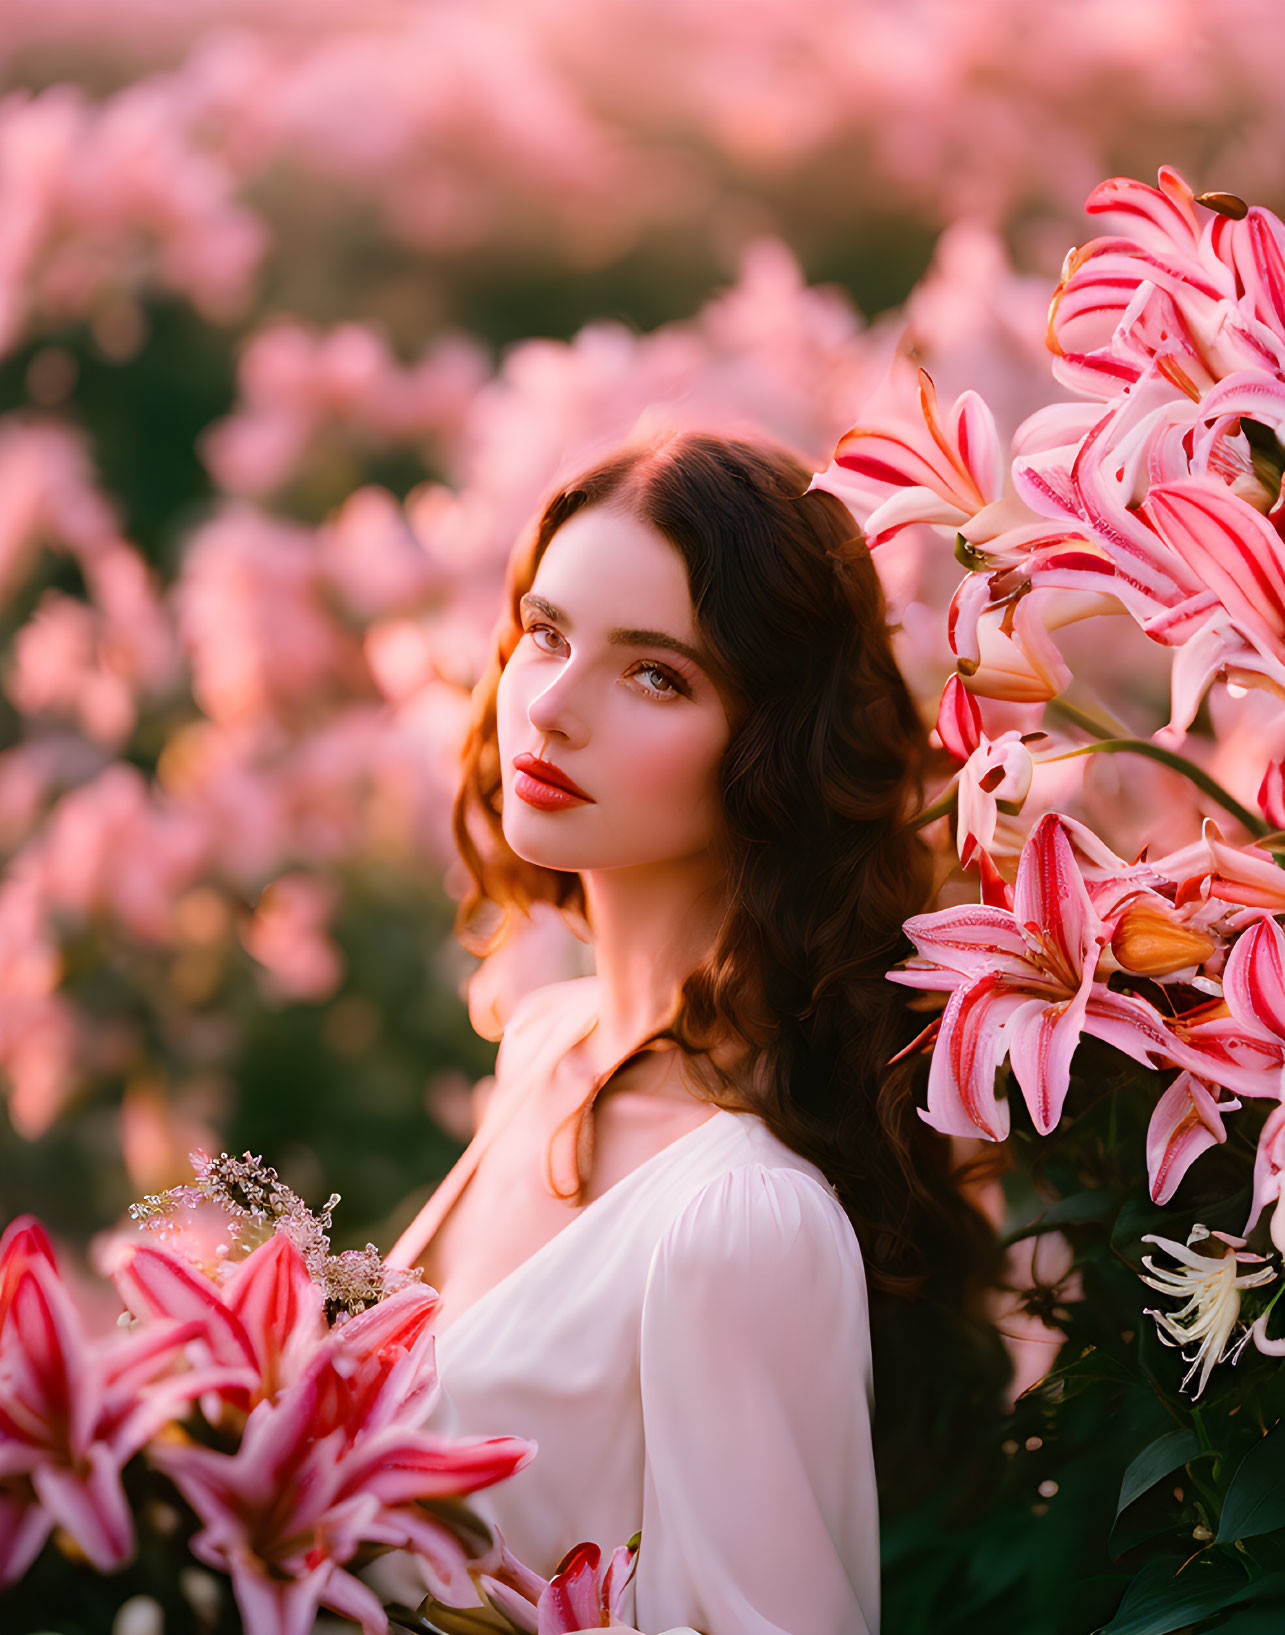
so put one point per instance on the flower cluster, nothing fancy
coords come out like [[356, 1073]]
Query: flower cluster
[[1159, 499], [296, 1444]]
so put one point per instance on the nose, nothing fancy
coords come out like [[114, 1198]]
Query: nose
[[557, 711]]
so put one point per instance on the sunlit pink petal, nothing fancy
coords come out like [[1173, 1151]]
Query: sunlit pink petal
[[1236, 553], [969, 940]]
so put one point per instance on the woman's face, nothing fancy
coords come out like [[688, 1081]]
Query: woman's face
[[595, 688]]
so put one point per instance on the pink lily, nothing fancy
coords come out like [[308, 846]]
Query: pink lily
[[264, 1321], [1019, 984], [996, 771], [921, 468], [1187, 1121], [1161, 289], [335, 1460], [74, 1411], [1024, 983], [1005, 651], [578, 1596]]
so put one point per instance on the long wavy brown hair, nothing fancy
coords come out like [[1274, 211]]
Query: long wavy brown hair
[[820, 777]]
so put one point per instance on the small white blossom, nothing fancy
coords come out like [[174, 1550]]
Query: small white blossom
[[258, 1204], [1211, 1284]]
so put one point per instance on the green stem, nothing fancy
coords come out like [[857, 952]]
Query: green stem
[[1179, 763], [945, 802], [1081, 718]]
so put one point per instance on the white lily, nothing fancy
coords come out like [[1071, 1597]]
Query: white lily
[[1212, 1284]]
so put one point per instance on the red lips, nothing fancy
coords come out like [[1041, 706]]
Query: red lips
[[547, 773]]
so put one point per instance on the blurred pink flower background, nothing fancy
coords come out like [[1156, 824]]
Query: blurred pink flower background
[[434, 258]]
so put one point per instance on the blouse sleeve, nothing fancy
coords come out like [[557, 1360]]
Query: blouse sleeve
[[759, 1507]]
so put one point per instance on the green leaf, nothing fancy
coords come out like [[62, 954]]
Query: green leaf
[[1157, 1459], [1093, 1204], [1260, 1620], [1255, 1501], [1162, 1599]]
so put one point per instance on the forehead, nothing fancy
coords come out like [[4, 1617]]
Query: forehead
[[608, 566]]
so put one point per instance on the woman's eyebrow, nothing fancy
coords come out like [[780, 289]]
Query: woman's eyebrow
[[620, 635]]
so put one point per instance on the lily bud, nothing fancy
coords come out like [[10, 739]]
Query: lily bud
[[1151, 940]]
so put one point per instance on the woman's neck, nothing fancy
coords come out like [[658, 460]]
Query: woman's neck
[[652, 926]]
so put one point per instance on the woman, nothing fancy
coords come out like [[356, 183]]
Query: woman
[[653, 1256]]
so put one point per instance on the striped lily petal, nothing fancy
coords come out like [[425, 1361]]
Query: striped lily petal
[[1243, 874], [1161, 218], [1251, 393], [1051, 902], [1188, 1120], [24, 1527], [1235, 551], [24, 1240], [959, 720], [946, 470], [1255, 248], [279, 1306], [1254, 978], [966, 941], [154, 1283], [970, 1047]]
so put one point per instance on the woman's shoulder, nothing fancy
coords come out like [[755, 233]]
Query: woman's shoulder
[[771, 1208], [762, 1258]]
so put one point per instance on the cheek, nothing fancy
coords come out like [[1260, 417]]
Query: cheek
[[673, 763]]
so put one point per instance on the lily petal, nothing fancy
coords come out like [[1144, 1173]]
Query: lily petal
[[1186, 1122]]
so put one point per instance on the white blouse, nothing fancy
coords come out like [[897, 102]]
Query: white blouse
[[691, 1353]]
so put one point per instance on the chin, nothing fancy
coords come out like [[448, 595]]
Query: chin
[[542, 853]]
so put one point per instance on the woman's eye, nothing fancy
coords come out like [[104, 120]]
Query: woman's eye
[[535, 631], [667, 686], [659, 682]]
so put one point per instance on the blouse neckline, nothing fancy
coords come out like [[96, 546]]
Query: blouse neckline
[[568, 1155], [587, 1209]]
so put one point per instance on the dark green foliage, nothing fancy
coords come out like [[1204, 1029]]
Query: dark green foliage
[[1121, 1506]]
